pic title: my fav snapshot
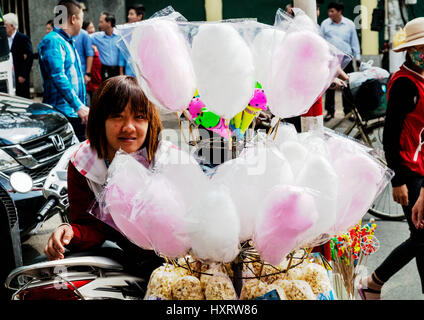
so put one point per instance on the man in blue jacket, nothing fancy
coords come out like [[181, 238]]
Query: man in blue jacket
[[63, 78]]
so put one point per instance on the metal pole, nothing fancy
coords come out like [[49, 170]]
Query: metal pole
[[309, 7]]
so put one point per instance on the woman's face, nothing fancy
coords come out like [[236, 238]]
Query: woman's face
[[126, 131], [91, 28]]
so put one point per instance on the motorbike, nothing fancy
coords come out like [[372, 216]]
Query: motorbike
[[96, 274]]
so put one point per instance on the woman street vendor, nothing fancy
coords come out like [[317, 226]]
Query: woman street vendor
[[121, 117]]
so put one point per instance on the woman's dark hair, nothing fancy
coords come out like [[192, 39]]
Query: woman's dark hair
[[138, 8], [50, 22], [336, 5], [85, 24], [112, 97], [110, 17]]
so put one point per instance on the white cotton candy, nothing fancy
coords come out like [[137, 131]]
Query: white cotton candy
[[180, 168], [263, 46], [300, 73], [214, 227], [319, 175], [166, 72], [295, 154], [286, 132], [224, 68]]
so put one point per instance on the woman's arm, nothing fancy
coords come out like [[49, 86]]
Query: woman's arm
[[88, 230]]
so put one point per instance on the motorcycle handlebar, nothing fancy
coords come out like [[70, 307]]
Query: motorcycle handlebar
[[46, 208]]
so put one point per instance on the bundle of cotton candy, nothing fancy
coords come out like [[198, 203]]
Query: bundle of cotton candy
[[262, 49], [288, 213], [301, 71], [127, 177], [166, 72], [234, 176], [181, 169], [214, 227], [160, 213], [285, 133], [224, 68], [319, 175], [360, 180], [250, 178]]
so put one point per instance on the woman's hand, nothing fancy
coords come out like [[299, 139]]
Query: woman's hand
[[400, 195], [60, 237], [418, 212]]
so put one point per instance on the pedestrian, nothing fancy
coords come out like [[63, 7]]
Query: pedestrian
[[106, 42], [63, 78], [402, 141], [121, 118], [84, 46], [95, 77], [135, 13], [341, 32], [49, 26], [21, 48]]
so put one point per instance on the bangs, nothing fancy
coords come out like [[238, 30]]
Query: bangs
[[127, 91]]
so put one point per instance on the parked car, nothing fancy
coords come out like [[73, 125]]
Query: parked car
[[33, 137]]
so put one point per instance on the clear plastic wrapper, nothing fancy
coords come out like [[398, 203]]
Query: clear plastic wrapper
[[145, 207], [160, 283], [252, 289], [303, 66], [187, 288], [289, 212], [161, 60], [296, 289], [220, 287], [362, 175]]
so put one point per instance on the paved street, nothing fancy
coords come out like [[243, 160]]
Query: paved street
[[403, 286]]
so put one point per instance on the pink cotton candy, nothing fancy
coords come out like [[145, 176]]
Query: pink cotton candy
[[359, 183], [161, 214], [120, 208], [163, 60], [302, 68], [288, 213]]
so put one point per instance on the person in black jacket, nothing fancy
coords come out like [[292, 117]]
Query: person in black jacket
[[21, 48]]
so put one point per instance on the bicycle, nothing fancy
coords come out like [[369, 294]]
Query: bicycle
[[368, 127]]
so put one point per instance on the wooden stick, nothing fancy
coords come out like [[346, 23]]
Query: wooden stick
[[181, 128], [189, 127], [188, 265], [289, 265], [276, 129]]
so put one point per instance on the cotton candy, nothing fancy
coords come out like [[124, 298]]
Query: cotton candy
[[295, 154], [165, 69], [360, 180], [119, 206], [214, 227], [263, 46], [161, 214], [224, 68], [249, 179], [288, 213], [300, 73], [319, 175]]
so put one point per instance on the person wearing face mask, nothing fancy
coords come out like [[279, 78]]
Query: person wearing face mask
[[403, 140]]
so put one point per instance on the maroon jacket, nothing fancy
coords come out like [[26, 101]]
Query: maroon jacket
[[88, 230]]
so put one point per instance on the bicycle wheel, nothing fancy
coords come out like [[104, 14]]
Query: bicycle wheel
[[384, 206]]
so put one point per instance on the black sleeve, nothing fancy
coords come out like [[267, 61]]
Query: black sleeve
[[403, 99]]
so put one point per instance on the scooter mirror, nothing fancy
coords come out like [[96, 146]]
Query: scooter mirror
[[21, 182]]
